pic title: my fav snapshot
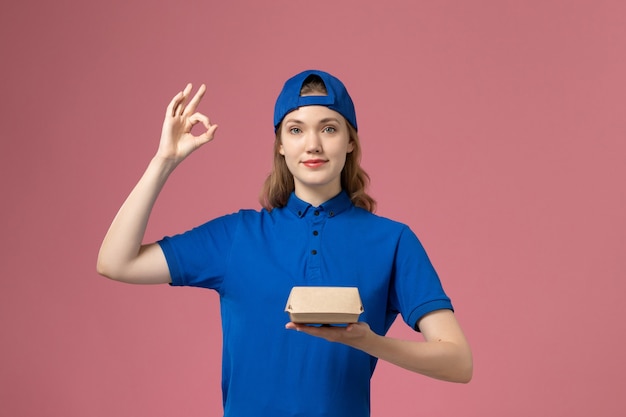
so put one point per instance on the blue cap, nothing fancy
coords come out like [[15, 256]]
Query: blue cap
[[337, 99]]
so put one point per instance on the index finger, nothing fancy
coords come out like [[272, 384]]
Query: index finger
[[193, 104], [178, 101]]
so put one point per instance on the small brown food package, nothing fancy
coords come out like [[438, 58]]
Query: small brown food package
[[324, 305]]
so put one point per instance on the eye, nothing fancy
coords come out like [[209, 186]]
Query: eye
[[329, 129], [295, 130]]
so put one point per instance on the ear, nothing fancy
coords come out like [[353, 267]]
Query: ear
[[281, 150], [350, 146]]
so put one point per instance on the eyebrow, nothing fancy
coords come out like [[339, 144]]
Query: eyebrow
[[329, 119], [325, 120]]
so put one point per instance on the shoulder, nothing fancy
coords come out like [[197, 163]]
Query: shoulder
[[226, 221], [244, 214], [378, 228], [253, 215], [251, 219], [378, 220]]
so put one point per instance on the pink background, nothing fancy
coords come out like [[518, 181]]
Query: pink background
[[495, 129]]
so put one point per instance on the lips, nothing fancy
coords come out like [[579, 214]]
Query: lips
[[314, 163]]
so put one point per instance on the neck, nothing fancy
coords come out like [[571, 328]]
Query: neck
[[316, 197]]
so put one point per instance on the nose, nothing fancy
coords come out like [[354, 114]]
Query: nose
[[313, 143]]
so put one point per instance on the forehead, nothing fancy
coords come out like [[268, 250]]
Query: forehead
[[313, 115]]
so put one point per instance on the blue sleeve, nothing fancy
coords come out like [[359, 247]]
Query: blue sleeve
[[199, 257], [416, 289]]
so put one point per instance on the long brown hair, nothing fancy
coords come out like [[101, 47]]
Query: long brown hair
[[279, 184]]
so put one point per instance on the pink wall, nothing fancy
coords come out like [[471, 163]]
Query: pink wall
[[495, 129]]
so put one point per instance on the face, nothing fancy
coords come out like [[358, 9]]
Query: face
[[315, 141]]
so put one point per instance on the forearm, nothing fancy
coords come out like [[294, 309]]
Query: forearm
[[123, 242], [445, 353], [448, 361]]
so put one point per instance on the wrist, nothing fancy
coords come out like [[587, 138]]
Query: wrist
[[163, 165], [367, 341]]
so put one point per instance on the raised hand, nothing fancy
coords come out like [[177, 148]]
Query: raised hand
[[177, 141]]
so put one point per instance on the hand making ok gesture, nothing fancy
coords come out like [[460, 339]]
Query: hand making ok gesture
[[177, 141]]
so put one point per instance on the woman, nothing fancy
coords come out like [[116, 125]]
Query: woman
[[316, 228]]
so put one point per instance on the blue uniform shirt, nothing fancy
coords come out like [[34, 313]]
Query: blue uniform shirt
[[254, 258]]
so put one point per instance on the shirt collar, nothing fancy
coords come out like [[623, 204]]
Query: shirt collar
[[341, 202]]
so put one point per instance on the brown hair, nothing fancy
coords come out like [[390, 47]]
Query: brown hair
[[279, 184]]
